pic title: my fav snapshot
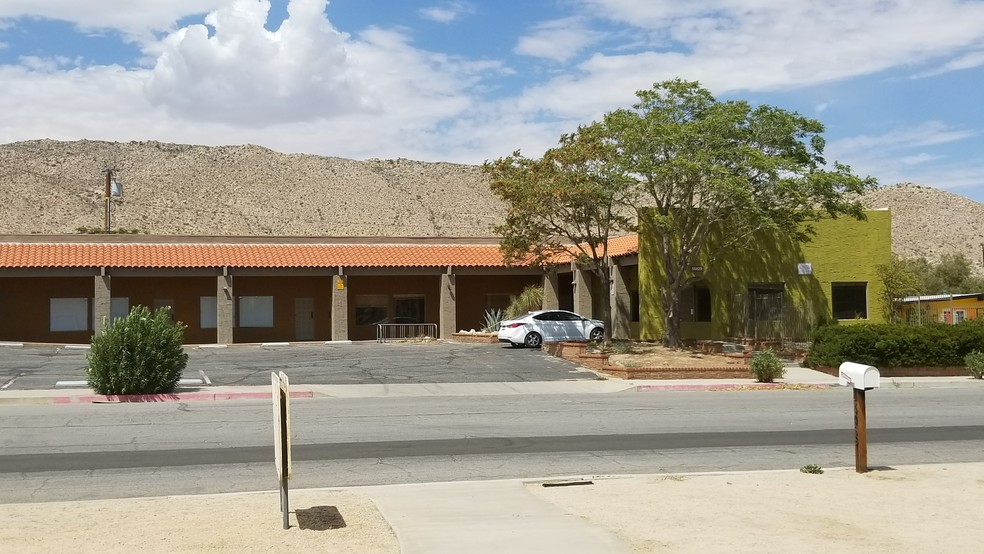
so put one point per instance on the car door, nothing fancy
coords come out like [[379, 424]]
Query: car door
[[570, 325], [547, 325]]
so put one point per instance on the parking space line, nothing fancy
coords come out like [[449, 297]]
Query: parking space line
[[205, 378]]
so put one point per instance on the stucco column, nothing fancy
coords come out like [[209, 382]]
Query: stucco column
[[582, 292], [225, 309], [101, 303], [551, 290], [339, 307], [448, 317], [621, 303]]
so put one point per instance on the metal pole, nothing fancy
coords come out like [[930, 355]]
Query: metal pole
[[860, 433], [109, 178]]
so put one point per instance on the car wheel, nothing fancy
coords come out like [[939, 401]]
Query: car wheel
[[597, 334], [533, 340]]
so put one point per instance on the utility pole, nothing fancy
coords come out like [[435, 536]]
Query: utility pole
[[108, 196]]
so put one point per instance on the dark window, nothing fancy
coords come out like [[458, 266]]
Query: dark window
[[565, 316], [634, 304], [546, 316], [849, 300]]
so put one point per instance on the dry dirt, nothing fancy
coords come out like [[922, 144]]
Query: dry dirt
[[907, 509], [654, 355]]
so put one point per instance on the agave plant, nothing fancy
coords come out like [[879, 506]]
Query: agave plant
[[493, 318]]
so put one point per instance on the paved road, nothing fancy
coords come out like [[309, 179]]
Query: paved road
[[40, 367], [119, 450]]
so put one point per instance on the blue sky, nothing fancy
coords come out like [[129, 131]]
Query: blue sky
[[898, 83]]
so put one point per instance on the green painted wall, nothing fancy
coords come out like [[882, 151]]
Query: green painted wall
[[843, 250]]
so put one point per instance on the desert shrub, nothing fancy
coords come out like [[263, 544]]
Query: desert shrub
[[493, 318], [766, 366], [530, 299], [975, 363], [895, 345], [139, 354]]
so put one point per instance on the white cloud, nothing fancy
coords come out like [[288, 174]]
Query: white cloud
[[967, 61], [558, 40], [242, 73], [930, 133], [447, 12], [900, 155]]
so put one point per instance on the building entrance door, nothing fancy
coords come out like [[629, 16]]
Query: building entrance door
[[304, 318]]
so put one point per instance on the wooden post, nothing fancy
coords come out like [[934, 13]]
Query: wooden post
[[284, 456], [860, 433]]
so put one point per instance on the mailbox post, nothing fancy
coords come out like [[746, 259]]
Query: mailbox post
[[861, 378]]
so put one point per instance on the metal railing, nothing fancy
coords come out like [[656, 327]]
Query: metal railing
[[405, 331]]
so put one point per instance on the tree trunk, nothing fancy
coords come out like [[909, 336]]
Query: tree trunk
[[605, 299], [671, 317]]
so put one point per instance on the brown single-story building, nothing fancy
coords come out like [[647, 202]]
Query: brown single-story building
[[62, 289]]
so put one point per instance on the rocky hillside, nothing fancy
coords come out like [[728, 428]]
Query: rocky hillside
[[931, 222], [57, 187]]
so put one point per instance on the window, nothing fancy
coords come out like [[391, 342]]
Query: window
[[256, 311], [207, 315], [408, 309], [498, 301], [634, 305], [69, 314], [119, 308], [958, 316], [849, 300], [370, 309]]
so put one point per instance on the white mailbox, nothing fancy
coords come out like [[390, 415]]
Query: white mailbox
[[859, 376]]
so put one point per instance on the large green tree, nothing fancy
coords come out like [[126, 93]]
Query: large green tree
[[565, 205], [706, 168]]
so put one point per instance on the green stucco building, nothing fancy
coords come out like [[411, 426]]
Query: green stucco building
[[779, 290]]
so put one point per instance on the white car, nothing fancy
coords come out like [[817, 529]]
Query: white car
[[534, 328]]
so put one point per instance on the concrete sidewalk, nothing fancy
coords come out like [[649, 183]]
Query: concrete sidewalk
[[796, 378]]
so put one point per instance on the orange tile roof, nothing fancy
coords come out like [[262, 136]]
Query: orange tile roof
[[184, 255], [40, 255], [623, 246]]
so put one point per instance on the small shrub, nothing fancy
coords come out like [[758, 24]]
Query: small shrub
[[139, 354], [975, 363], [812, 468], [766, 366], [493, 318]]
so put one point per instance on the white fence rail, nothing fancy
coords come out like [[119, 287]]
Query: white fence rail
[[405, 331]]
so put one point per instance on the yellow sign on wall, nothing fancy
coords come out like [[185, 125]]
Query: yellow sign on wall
[[340, 284]]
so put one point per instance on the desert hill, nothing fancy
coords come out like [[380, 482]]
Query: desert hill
[[170, 189], [49, 187]]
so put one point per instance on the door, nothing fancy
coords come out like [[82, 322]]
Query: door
[[304, 318]]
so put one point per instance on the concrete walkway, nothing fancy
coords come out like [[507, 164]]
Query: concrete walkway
[[485, 517]]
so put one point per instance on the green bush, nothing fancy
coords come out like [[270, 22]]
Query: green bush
[[895, 345], [975, 363], [139, 354], [766, 366], [530, 299]]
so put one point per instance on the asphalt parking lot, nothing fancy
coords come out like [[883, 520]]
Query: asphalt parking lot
[[41, 367]]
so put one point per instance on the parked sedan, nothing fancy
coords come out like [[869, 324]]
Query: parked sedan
[[549, 325]]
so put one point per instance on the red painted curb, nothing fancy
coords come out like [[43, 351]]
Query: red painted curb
[[174, 397]]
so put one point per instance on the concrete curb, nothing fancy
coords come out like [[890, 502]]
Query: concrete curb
[[735, 387]]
